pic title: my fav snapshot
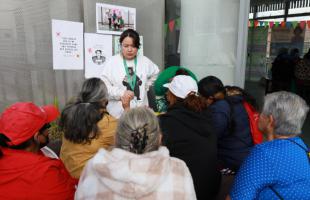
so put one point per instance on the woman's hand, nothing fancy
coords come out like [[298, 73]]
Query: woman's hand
[[128, 94], [126, 98]]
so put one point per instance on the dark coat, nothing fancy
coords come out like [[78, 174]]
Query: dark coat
[[232, 127], [189, 136]]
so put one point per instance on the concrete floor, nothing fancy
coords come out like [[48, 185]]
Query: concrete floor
[[258, 91]]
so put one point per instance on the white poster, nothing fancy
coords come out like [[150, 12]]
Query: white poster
[[97, 50], [111, 19], [67, 39], [117, 45]]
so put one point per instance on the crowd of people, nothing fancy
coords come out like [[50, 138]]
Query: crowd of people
[[290, 72], [203, 145]]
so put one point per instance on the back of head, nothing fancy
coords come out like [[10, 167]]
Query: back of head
[[138, 131], [209, 86], [183, 90], [79, 119], [294, 52], [234, 90], [288, 110], [93, 90], [182, 71]]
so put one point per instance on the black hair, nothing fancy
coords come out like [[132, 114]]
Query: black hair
[[181, 72], [79, 119], [4, 143], [209, 86], [98, 50], [132, 34], [245, 95]]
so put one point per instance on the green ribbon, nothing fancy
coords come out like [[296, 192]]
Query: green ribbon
[[131, 80]]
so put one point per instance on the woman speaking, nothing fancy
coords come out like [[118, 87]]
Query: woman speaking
[[128, 75]]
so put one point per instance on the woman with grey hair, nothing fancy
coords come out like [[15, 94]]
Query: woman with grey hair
[[86, 126], [138, 167], [279, 168]]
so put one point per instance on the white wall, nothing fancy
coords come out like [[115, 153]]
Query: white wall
[[213, 38]]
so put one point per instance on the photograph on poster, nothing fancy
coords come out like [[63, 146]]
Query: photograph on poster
[[112, 19], [117, 45], [98, 48]]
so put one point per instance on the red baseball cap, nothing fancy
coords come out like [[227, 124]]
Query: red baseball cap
[[22, 120]]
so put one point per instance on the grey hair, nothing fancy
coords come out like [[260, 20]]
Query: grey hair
[[288, 110], [138, 131], [93, 91]]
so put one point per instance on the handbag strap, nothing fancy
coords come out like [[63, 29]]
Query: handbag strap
[[306, 149]]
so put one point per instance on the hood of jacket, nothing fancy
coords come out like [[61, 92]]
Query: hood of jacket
[[131, 175], [196, 121]]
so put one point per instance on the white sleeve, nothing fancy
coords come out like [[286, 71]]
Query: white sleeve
[[115, 92], [152, 73], [86, 182]]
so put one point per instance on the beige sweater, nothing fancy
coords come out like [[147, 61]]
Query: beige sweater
[[122, 175]]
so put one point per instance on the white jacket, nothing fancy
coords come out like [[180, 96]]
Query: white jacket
[[120, 175], [113, 75]]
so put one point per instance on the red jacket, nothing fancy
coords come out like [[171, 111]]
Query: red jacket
[[25, 175]]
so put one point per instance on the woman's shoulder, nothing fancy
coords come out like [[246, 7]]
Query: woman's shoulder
[[107, 121], [144, 59], [113, 60], [220, 105]]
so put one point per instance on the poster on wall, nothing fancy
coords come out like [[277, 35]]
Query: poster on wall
[[98, 48], [67, 40], [112, 19], [117, 45]]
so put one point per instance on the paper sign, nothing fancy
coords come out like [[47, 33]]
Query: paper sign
[[98, 48], [67, 39]]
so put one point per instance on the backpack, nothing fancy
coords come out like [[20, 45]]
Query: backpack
[[256, 134]]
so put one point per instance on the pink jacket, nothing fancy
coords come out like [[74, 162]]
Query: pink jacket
[[123, 175]]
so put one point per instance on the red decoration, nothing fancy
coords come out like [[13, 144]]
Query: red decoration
[[302, 24], [256, 23], [271, 24], [283, 24], [171, 25], [308, 23]]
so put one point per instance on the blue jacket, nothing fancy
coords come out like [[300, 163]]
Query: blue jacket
[[231, 124]]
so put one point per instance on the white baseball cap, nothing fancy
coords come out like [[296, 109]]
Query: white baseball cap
[[182, 85]]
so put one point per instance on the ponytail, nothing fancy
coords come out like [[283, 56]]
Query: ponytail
[[194, 102], [138, 140]]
